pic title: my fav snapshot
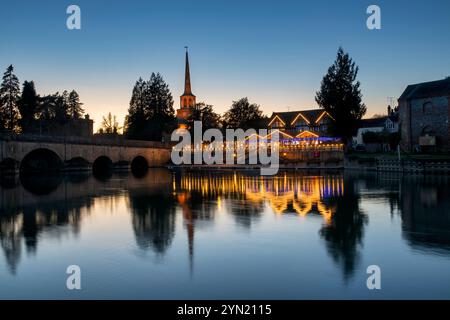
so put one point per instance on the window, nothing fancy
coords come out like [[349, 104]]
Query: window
[[301, 127], [428, 131], [325, 120], [427, 108], [277, 124]]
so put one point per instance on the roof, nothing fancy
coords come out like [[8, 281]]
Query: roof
[[187, 95], [183, 121], [284, 134], [427, 90], [372, 123], [290, 116]]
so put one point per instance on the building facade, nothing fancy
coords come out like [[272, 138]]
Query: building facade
[[82, 127], [304, 137], [387, 124], [424, 111], [301, 124]]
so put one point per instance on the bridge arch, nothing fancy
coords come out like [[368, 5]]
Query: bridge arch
[[41, 160], [139, 166], [102, 165]]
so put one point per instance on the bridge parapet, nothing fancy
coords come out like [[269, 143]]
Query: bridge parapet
[[94, 140], [38, 151]]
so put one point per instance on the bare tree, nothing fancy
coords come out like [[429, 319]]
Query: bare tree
[[110, 124]]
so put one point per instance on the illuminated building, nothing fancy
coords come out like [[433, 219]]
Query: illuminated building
[[187, 99], [304, 136], [302, 124]]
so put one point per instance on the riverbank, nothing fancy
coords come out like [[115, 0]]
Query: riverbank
[[363, 162], [420, 163]]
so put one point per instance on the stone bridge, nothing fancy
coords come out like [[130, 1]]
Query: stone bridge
[[35, 153]]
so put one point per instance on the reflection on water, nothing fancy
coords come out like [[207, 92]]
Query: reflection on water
[[344, 232], [175, 214], [153, 218], [23, 216], [285, 193], [425, 212]]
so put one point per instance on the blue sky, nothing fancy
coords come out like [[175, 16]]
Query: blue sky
[[274, 52]]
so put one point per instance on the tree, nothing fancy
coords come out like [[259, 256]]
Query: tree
[[341, 97], [28, 106], [159, 98], [136, 118], [110, 124], [47, 106], [74, 109], [52, 111], [61, 107], [243, 114], [204, 112], [151, 109], [9, 98]]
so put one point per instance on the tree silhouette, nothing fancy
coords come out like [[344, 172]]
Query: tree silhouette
[[151, 109], [110, 124], [61, 105], [135, 120], [28, 106], [52, 111], [341, 97], [46, 108], [204, 112], [243, 114], [9, 98], [74, 109]]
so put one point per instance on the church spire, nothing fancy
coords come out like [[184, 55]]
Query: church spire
[[187, 99], [187, 76]]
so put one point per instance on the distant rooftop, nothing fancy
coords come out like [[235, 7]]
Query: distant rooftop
[[311, 115], [372, 122], [427, 90]]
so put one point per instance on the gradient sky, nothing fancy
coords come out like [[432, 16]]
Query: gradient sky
[[274, 52]]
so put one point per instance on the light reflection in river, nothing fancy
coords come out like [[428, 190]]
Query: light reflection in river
[[318, 230]]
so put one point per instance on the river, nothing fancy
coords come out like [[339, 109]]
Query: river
[[230, 235]]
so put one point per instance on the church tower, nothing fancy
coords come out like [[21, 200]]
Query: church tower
[[187, 99]]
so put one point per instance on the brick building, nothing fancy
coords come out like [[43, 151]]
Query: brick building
[[424, 111]]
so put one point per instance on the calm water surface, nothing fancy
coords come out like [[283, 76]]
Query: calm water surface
[[188, 235]]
